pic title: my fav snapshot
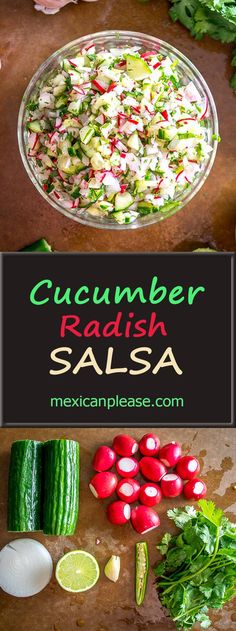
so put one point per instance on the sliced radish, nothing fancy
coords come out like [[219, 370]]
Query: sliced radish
[[195, 489], [103, 484], [171, 485], [128, 490], [144, 519], [104, 458], [25, 567], [127, 467], [188, 467], [170, 454], [149, 445], [125, 445], [152, 469], [150, 494], [119, 512]]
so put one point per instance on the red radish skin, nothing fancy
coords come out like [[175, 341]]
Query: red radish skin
[[103, 484], [188, 467], [149, 445], [152, 469], [127, 467], [104, 458], [144, 519], [128, 490], [150, 494], [171, 485], [195, 489], [124, 445], [119, 512], [170, 454]]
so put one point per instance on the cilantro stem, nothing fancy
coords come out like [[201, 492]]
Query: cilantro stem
[[189, 611], [190, 577]]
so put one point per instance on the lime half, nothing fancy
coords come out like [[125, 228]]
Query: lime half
[[77, 571]]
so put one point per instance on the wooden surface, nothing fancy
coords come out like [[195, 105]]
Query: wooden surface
[[29, 37], [109, 606]]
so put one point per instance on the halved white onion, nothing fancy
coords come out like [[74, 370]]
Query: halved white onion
[[25, 567]]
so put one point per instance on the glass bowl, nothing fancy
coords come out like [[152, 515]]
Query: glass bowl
[[109, 39]]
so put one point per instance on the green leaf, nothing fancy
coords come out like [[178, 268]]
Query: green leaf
[[204, 620], [233, 62], [164, 544], [181, 516], [233, 82], [209, 510]]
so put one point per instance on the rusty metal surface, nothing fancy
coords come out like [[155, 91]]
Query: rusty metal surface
[[27, 38], [110, 606]]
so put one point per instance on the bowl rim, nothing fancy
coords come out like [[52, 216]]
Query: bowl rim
[[116, 33]]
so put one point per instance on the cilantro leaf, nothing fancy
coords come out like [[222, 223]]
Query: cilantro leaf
[[181, 516], [211, 512], [164, 544]]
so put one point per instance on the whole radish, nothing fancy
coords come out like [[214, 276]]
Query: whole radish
[[104, 458], [124, 445], [152, 469], [103, 484], [195, 489], [128, 490], [149, 445], [150, 494], [188, 467], [127, 467], [171, 485], [170, 454], [119, 512], [144, 519]]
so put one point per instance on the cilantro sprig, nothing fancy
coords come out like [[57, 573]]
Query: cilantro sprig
[[216, 18], [198, 570]]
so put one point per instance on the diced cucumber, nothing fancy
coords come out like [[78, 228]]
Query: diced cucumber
[[137, 68], [86, 133], [70, 122], [106, 206], [124, 216], [140, 186], [123, 201], [166, 134], [97, 161], [35, 126], [145, 208], [75, 107], [61, 102], [70, 165], [168, 207], [59, 89], [133, 141], [88, 150], [96, 211]]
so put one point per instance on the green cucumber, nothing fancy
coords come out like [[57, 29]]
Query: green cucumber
[[141, 571], [123, 201], [35, 126], [61, 487], [24, 486], [133, 141]]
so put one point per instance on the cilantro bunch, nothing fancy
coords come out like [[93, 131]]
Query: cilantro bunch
[[198, 571], [216, 18]]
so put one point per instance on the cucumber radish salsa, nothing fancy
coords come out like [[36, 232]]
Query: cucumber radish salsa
[[117, 133]]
